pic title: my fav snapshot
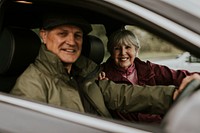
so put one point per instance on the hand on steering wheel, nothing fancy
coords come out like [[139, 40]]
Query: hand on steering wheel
[[189, 89]]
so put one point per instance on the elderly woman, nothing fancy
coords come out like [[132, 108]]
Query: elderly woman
[[123, 66]]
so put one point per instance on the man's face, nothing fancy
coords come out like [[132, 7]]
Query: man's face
[[64, 41]]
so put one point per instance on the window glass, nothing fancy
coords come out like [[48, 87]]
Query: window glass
[[158, 50], [154, 49], [152, 46]]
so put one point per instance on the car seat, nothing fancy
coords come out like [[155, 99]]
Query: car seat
[[93, 48], [19, 48]]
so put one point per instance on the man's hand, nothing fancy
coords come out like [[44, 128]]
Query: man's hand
[[188, 79], [184, 83]]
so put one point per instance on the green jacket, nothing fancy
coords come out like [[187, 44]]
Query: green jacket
[[46, 80]]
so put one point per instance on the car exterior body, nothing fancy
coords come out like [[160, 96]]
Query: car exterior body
[[163, 18]]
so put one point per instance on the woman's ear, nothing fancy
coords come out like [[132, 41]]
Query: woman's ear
[[136, 52]]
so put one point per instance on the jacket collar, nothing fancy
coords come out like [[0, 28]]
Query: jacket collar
[[50, 63], [123, 71], [144, 69]]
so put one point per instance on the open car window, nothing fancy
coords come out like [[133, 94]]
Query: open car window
[[155, 49], [168, 36]]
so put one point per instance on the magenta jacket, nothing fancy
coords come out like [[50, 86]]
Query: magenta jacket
[[148, 73]]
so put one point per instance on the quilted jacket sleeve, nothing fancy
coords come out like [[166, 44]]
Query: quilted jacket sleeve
[[129, 98]]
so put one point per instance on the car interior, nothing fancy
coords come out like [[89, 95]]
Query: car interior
[[19, 48], [20, 43]]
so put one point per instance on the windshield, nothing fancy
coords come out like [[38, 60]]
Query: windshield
[[190, 6]]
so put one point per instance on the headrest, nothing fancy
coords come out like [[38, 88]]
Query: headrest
[[18, 48], [93, 48]]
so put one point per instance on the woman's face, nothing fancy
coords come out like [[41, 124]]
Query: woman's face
[[124, 55], [64, 41]]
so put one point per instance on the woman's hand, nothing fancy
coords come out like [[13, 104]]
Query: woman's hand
[[102, 76]]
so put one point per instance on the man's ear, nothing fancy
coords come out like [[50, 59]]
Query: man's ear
[[43, 35]]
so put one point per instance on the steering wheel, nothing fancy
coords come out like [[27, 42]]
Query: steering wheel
[[173, 117], [191, 87]]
